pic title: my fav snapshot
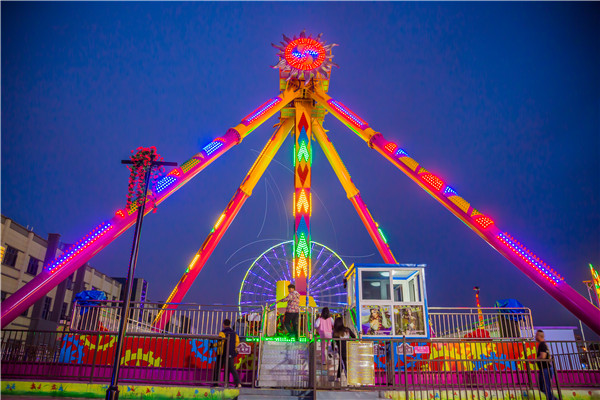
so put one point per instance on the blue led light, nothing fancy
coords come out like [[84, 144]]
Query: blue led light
[[261, 110], [530, 258], [355, 119], [164, 183], [81, 245], [450, 191], [212, 147], [401, 153]]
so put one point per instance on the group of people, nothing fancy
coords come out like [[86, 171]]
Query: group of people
[[328, 328], [332, 334]]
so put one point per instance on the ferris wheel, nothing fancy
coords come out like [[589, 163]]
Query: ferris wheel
[[326, 285]]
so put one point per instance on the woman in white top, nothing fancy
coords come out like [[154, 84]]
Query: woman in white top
[[324, 325]]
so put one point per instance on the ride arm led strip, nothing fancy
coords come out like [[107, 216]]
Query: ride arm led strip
[[223, 223], [483, 225], [60, 269], [353, 194]]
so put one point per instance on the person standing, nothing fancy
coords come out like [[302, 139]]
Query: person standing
[[546, 372], [231, 339], [324, 325], [341, 331], [292, 311]]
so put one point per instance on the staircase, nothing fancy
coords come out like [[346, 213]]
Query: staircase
[[284, 374], [284, 365]]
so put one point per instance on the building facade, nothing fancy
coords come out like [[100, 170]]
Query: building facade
[[139, 290], [25, 254]]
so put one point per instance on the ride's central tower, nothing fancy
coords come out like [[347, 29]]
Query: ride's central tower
[[304, 62], [302, 264]]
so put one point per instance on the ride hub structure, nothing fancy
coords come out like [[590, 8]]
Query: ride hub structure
[[305, 64]]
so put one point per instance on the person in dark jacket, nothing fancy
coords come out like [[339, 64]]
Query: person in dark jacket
[[232, 340], [546, 372], [341, 331]]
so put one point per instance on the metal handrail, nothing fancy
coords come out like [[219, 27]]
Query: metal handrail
[[188, 318], [39, 355], [461, 322]]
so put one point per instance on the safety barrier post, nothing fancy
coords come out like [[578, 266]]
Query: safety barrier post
[[94, 358], [405, 368], [551, 361]]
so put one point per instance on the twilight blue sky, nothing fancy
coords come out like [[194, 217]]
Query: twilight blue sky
[[502, 100]]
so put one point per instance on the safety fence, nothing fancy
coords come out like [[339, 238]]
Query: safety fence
[[146, 358], [480, 323], [453, 369], [186, 319], [421, 367], [254, 321]]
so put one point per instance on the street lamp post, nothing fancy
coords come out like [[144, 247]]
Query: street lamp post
[[112, 393]]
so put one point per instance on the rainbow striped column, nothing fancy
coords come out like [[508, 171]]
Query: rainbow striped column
[[302, 197]]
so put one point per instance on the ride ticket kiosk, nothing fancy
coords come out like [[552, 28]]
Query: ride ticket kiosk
[[388, 300]]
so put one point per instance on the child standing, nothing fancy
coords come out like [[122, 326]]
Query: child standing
[[324, 325]]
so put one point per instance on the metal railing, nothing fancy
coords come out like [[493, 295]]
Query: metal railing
[[274, 320], [458, 369], [158, 358], [195, 319], [187, 319], [482, 323], [468, 368]]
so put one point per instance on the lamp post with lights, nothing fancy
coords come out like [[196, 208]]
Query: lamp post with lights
[[112, 393]]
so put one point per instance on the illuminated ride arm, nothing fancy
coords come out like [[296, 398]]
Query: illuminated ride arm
[[101, 236], [222, 224], [353, 193], [532, 266]]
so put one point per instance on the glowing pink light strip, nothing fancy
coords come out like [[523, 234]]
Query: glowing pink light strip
[[373, 230]]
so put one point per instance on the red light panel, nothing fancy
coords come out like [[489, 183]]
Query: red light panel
[[390, 147], [305, 54], [484, 221]]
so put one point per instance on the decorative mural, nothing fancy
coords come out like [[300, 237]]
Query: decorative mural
[[146, 352], [417, 356]]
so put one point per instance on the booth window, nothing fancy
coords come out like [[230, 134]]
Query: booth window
[[398, 294], [375, 286]]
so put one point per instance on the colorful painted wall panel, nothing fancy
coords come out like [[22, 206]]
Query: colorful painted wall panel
[[145, 352]]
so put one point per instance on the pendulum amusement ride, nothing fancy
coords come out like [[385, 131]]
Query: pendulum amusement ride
[[305, 64]]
